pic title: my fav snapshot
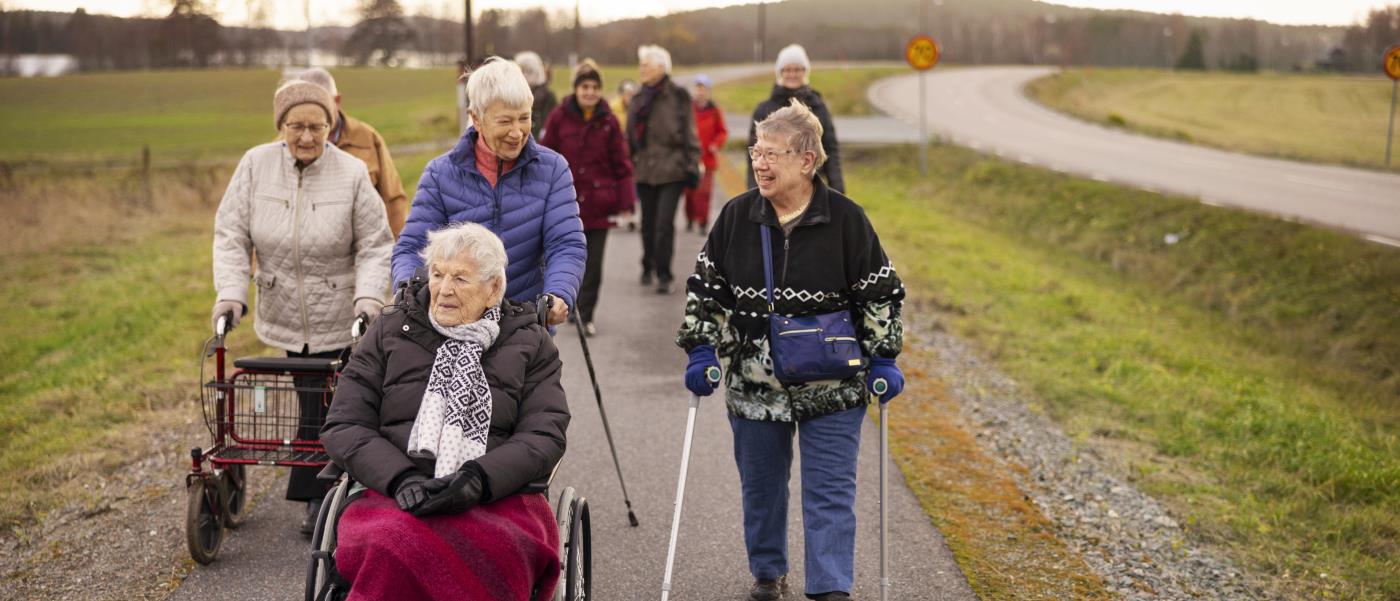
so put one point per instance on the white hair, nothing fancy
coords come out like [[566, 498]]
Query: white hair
[[533, 67], [655, 54], [498, 80], [471, 241], [797, 125], [320, 77]]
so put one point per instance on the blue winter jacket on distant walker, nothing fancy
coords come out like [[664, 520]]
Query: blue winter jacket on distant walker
[[533, 209]]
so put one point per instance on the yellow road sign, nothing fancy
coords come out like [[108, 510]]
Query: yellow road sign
[[922, 53], [1392, 62]]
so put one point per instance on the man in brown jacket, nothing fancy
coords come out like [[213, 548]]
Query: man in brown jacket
[[364, 142]]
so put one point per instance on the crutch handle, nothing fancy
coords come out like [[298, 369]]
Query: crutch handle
[[880, 386]]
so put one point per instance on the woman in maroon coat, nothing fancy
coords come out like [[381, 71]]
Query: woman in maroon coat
[[584, 130]]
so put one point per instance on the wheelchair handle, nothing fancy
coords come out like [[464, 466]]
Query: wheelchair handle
[[542, 303]]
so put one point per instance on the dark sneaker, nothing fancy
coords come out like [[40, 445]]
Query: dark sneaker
[[768, 590], [646, 278], [308, 522], [832, 596], [663, 286]]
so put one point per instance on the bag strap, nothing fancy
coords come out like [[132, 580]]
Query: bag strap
[[767, 264]]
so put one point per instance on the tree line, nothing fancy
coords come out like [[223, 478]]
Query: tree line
[[969, 31]]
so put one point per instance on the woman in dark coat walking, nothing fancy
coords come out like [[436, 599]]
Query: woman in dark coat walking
[[584, 130], [793, 72], [666, 155], [826, 258], [452, 414]]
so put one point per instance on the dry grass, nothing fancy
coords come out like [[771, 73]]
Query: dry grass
[[1004, 544]]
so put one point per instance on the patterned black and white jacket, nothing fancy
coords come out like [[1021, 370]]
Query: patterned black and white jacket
[[832, 260]]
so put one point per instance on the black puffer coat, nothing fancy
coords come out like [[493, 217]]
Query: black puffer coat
[[376, 400]]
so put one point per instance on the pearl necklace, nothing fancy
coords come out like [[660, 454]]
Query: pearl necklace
[[789, 216]]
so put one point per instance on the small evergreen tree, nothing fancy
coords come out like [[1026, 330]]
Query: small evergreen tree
[[1194, 56]]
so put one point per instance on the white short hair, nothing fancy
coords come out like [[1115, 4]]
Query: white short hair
[[498, 80], [320, 77], [471, 241], [533, 67], [655, 54], [799, 127]]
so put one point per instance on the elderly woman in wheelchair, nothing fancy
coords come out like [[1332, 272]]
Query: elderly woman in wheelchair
[[451, 416]]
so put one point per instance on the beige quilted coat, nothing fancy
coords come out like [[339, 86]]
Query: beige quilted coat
[[322, 240]]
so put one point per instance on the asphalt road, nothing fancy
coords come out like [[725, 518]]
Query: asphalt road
[[984, 108], [640, 372]]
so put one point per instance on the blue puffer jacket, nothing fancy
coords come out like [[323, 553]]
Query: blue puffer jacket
[[532, 208]]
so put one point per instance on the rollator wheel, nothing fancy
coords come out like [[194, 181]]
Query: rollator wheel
[[204, 521], [578, 556], [233, 494]]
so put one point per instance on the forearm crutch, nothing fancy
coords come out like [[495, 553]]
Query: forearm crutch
[[712, 375], [880, 387]]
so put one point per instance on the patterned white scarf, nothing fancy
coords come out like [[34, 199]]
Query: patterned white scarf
[[454, 419]]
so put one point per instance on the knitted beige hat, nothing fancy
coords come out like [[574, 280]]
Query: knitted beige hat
[[297, 92]]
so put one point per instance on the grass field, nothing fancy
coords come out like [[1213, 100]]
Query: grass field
[[843, 89], [1323, 118], [1256, 396]]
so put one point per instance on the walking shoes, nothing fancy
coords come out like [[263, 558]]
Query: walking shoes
[[768, 590]]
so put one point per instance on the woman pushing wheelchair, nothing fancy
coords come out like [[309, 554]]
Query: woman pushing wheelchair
[[452, 414]]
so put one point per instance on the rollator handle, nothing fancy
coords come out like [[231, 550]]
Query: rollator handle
[[358, 327], [221, 327]]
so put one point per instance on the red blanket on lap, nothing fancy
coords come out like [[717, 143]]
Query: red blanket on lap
[[505, 551]]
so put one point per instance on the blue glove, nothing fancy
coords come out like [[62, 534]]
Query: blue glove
[[884, 369], [698, 372]]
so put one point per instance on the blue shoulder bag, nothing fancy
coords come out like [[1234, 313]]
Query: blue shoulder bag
[[811, 347]]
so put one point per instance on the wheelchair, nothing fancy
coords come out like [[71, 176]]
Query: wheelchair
[[324, 583]]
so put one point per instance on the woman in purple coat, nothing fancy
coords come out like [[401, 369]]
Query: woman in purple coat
[[584, 130]]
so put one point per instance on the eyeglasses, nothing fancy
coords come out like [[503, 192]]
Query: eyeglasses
[[769, 155], [316, 129]]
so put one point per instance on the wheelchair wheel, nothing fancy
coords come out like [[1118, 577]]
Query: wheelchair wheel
[[564, 519], [204, 521], [578, 556], [233, 495]]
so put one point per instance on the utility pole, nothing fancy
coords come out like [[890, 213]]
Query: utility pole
[[578, 37], [306, 6], [467, 37], [759, 50]]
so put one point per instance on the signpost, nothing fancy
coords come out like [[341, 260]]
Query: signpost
[[1392, 68], [922, 53]]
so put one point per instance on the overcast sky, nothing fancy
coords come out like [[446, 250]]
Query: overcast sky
[[290, 14]]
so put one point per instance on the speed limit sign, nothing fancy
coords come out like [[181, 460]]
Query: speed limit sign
[[922, 53], [1392, 61]]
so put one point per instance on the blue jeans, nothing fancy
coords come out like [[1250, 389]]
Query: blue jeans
[[829, 445]]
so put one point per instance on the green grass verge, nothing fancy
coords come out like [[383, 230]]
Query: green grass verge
[[1244, 374], [843, 89], [1325, 118]]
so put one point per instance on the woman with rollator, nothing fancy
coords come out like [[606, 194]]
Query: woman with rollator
[[834, 302], [322, 240], [451, 413]]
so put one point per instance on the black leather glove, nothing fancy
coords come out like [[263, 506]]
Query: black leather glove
[[414, 489], [454, 493]]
